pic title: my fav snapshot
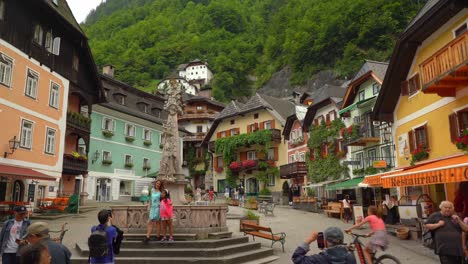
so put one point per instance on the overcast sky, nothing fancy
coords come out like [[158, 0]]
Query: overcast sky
[[81, 8]]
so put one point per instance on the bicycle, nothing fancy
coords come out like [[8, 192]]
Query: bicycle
[[357, 245]]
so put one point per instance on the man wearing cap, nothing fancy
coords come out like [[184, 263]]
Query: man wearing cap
[[11, 235], [335, 252], [39, 232]]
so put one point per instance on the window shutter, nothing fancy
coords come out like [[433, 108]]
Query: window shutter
[[218, 135], [411, 140], [417, 82], [427, 137], [327, 118], [238, 131], [315, 122], [56, 46], [262, 125], [276, 156], [228, 133], [453, 127], [256, 126], [404, 88], [273, 124], [249, 130], [243, 156], [215, 164]]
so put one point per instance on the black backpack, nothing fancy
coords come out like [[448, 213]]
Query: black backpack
[[97, 243]]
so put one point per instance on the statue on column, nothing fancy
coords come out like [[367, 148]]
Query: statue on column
[[170, 161]]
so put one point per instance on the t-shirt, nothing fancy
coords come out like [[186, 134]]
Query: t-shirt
[[447, 237], [12, 246], [375, 223], [111, 233], [345, 204]]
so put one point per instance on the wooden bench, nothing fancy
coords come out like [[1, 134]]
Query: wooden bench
[[334, 208], [264, 232]]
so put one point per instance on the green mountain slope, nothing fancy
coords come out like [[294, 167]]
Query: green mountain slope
[[147, 39]]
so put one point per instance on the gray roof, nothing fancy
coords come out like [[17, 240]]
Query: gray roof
[[191, 98], [284, 108], [231, 109], [327, 91], [182, 67], [429, 4], [377, 67]]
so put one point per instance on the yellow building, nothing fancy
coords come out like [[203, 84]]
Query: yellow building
[[249, 121], [424, 95]]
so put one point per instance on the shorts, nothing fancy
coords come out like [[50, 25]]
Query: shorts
[[166, 218], [378, 241]]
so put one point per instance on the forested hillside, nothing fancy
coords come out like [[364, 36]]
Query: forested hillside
[[147, 39]]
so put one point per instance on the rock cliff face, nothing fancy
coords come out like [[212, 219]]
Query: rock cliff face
[[279, 86]]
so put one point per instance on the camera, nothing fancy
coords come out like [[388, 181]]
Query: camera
[[109, 212]]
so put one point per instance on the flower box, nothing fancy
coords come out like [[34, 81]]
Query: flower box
[[146, 167], [234, 166], [219, 169], [147, 143], [462, 141], [128, 165], [129, 138], [107, 133], [249, 163], [106, 162], [421, 153]]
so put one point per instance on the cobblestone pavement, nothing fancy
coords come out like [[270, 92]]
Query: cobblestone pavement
[[296, 224]]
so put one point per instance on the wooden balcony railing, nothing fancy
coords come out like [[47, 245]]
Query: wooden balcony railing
[[198, 115], [293, 170], [72, 165], [79, 121], [447, 68], [195, 137], [364, 134]]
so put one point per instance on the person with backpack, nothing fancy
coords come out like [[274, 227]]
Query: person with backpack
[[334, 253], [101, 241]]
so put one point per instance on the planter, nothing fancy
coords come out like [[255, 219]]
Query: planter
[[234, 202], [252, 206], [129, 165], [188, 198], [147, 143], [146, 167], [107, 133], [129, 138], [257, 222], [106, 162]]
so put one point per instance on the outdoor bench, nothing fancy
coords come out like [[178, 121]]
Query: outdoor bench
[[264, 232], [334, 208], [266, 208]]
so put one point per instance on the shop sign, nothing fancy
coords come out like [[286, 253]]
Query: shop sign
[[358, 214], [373, 180], [352, 162], [379, 164], [412, 180]]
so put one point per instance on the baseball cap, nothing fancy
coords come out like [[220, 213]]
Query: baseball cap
[[37, 228], [20, 209], [334, 235]]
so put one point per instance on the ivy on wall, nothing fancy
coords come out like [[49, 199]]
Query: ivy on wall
[[329, 166], [227, 148]]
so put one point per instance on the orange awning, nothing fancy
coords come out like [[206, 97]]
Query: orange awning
[[375, 180], [8, 170], [443, 171]]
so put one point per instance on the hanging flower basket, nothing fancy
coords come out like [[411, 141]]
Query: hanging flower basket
[[219, 169], [234, 166], [462, 141], [249, 163], [147, 143], [421, 153], [107, 133]]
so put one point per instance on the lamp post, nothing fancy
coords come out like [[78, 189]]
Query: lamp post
[[13, 144], [95, 156]]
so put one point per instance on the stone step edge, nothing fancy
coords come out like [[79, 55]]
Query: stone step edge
[[84, 249], [265, 260]]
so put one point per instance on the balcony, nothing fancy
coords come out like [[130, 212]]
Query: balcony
[[190, 115], [275, 137], [78, 121], [293, 170], [195, 137], [361, 135], [447, 69], [370, 165], [74, 165]]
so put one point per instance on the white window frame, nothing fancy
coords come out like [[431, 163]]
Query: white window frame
[[49, 146], [49, 41], [146, 161], [109, 156], [361, 155], [292, 158], [267, 124], [125, 159], [6, 70], [252, 155], [26, 132], [38, 36], [54, 95], [201, 129], [127, 131], [302, 156], [271, 180], [145, 130], [374, 85], [363, 96], [199, 107], [104, 124], [234, 132], [272, 152], [145, 108], [121, 99], [459, 26], [32, 83]]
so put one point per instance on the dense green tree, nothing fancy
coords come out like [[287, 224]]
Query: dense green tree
[[147, 39]]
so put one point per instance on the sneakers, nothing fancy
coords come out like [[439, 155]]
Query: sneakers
[[146, 240], [163, 238], [171, 239]]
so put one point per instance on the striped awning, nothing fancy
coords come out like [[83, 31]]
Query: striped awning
[[453, 169], [375, 180]]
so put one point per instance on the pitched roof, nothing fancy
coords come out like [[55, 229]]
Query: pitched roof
[[377, 67], [64, 10], [283, 107], [429, 4], [194, 98]]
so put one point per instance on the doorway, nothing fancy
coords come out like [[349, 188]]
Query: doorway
[[103, 189], [3, 187], [18, 191]]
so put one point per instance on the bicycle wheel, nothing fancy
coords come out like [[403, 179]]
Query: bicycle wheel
[[387, 259]]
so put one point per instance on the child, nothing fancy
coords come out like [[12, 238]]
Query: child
[[166, 215], [211, 194], [379, 233]]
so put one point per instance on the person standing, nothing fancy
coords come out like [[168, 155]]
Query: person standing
[[167, 213], [13, 231], [348, 215], [447, 229], [105, 225], [38, 232], [241, 195], [154, 214]]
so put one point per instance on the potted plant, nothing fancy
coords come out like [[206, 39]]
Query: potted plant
[[147, 143], [106, 162], [250, 217], [146, 167], [107, 133], [129, 138], [129, 165], [462, 141], [419, 154], [251, 203]]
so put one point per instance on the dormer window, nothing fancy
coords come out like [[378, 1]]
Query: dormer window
[[156, 112], [143, 107], [119, 98], [38, 34]]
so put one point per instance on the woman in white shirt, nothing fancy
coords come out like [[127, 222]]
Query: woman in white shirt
[[348, 215]]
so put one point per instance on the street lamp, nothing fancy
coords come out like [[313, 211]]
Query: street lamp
[[95, 156], [13, 144]]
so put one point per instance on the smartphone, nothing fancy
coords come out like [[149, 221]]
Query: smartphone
[[320, 241]]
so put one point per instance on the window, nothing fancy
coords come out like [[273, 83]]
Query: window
[[361, 96], [50, 141], [234, 132], [267, 124], [147, 134], [302, 156], [458, 124], [199, 129], [459, 31], [2, 10], [255, 116], [76, 64], [271, 180], [418, 138], [223, 134], [251, 155], [199, 107], [81, 146], [54, 95], [146, 163], [31, 84], [359, 158], [375, 88], [119, 98], [387, 155], [372, 155], [129, 130], [128, 159], [292, 158], [6, 67], [233, 122], [26, 134], [156, 112], [106, 155], [108, 124], [145, 108], [49, 41], [271, 154], [38, 34], [411, 86]]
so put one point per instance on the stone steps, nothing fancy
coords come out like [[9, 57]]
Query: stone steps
[[219, 235], [140, 237], [207, 243]]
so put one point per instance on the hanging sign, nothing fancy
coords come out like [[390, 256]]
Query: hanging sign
[[379, 164]]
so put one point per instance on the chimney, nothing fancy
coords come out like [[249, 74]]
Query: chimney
[[108, 70]]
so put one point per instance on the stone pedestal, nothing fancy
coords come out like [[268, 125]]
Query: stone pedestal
[[177, 190], [83, 198]]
